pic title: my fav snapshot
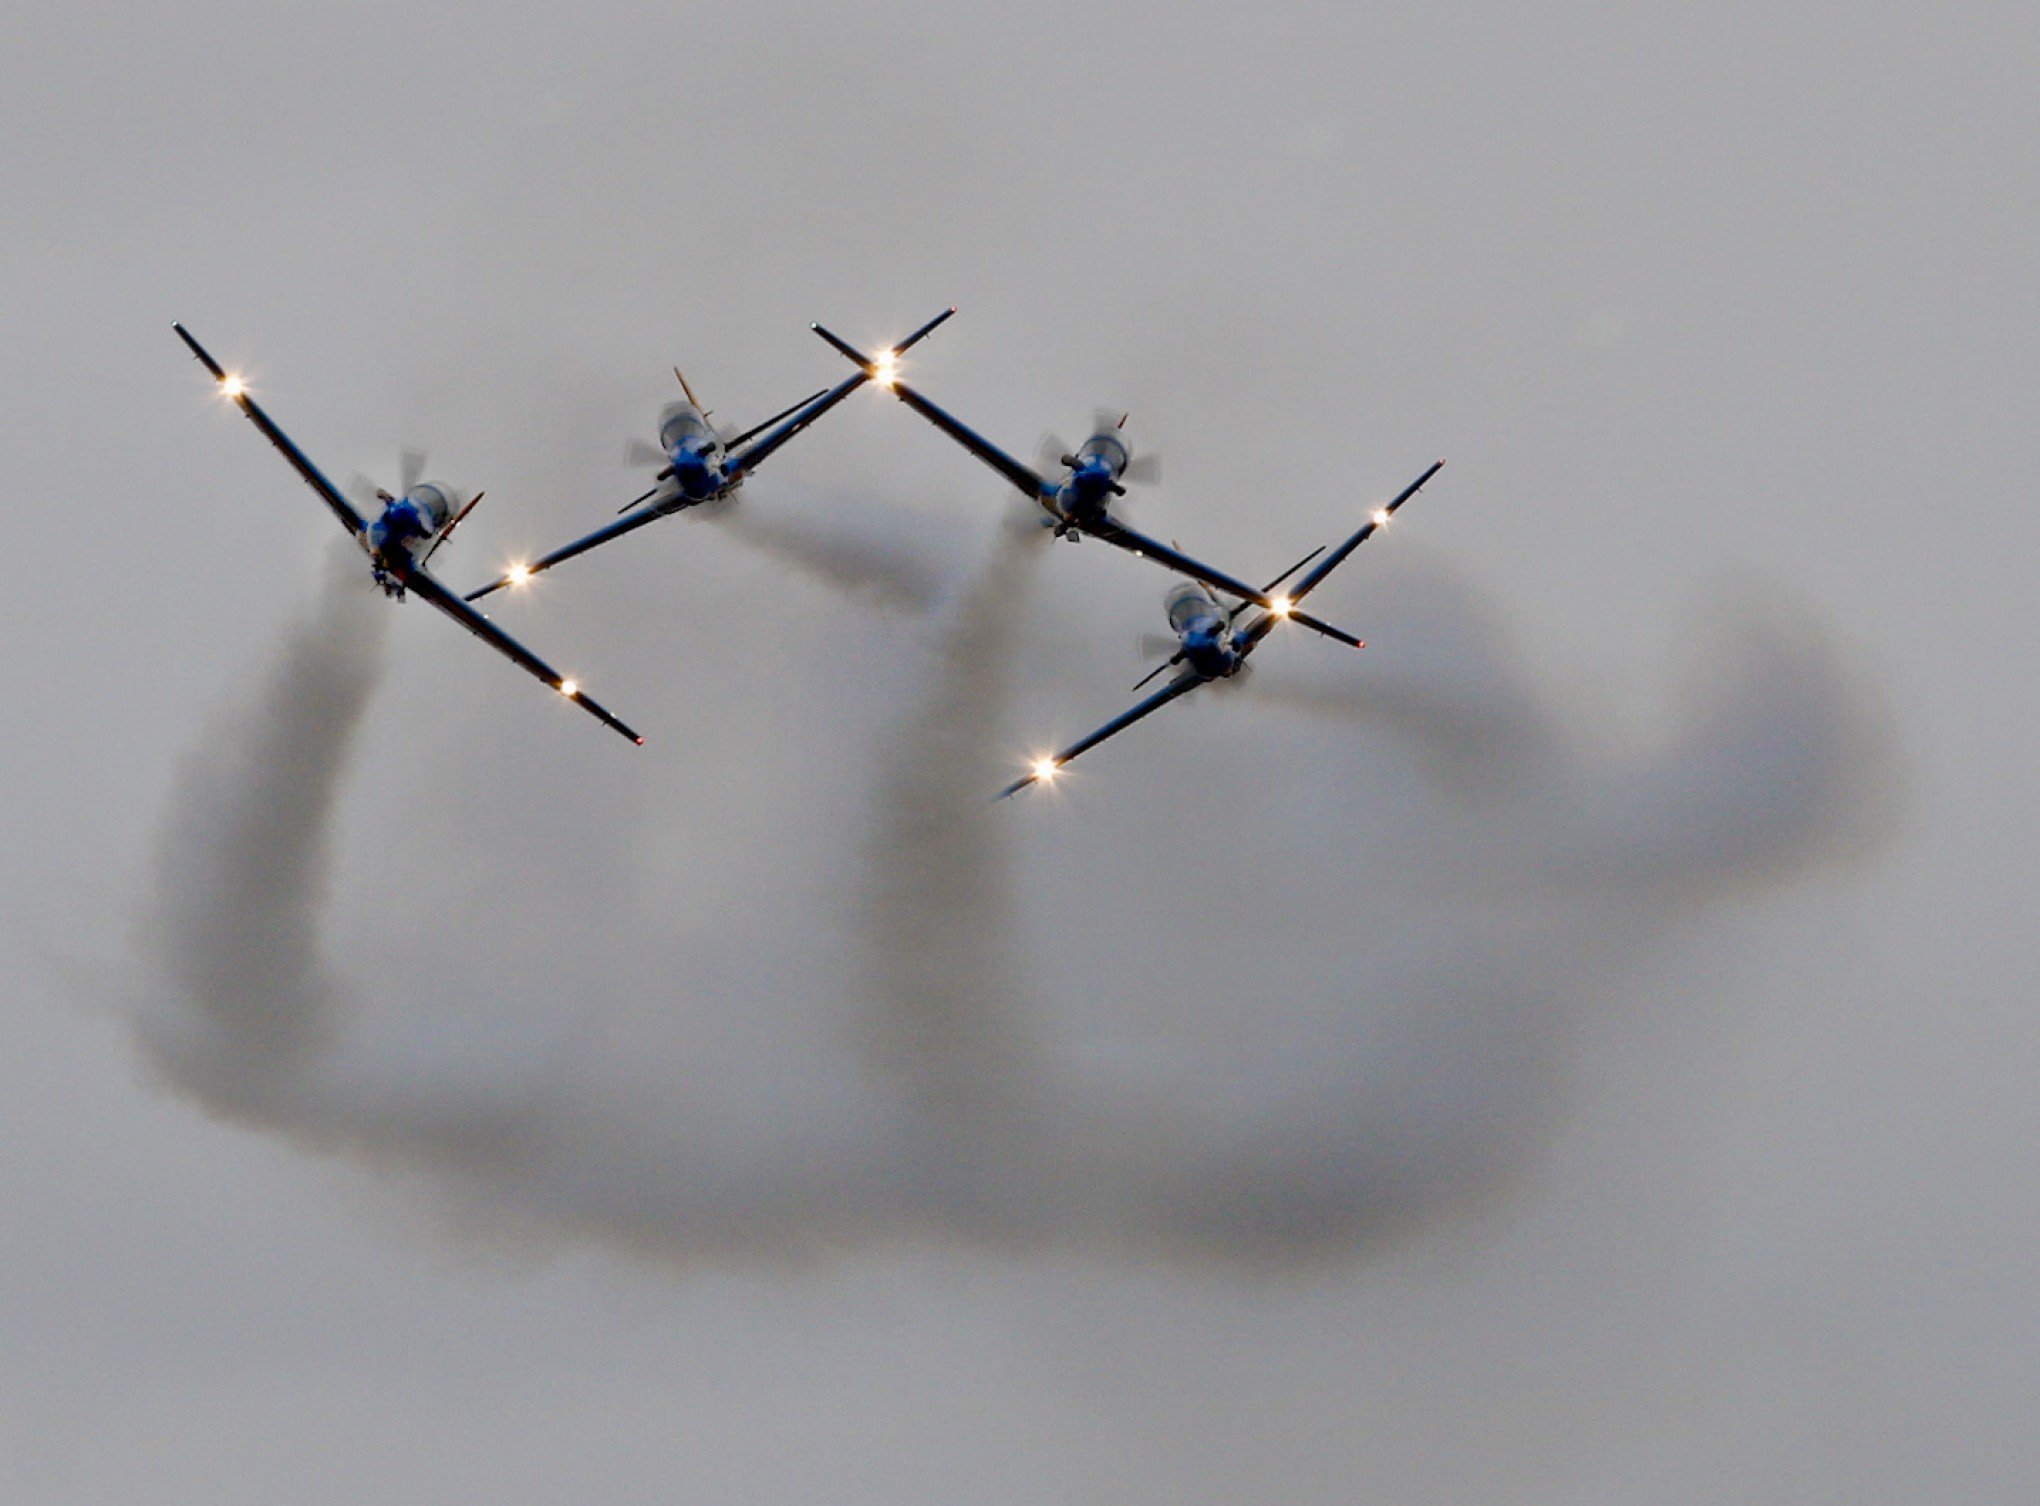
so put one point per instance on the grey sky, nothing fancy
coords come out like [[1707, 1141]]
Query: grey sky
[[1725, 324]]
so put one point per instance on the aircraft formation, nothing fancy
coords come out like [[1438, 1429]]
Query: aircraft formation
[[1216, 619]]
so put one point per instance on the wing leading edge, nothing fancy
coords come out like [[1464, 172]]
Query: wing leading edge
[[746, 459], [1260, 627], [582, 545], [1026, 478], [431, 590], [315, 478], [1182, 685]]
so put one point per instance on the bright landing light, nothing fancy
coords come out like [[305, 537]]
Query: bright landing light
[[518, 575], [232, 385], [570, 688], [887, 368], [1044, 769], [1279, 606], [1380, 517]]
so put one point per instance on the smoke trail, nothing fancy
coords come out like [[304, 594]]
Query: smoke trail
[[869, 569], [1424, 1064], [244, 864], [939, 946], [251, 1018], [1252, 1086]]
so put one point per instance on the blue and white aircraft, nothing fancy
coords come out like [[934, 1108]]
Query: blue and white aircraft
[[699, 463], [1076, 502], [1211, 647], [403, 536]]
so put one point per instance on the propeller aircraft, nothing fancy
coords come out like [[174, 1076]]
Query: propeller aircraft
[[403, 536], [699, 463], [1210, 644], [1077, 501]]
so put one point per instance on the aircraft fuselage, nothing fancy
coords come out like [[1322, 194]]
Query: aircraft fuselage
[[1093, 480], [699, 467], [1207, 638], [406, 526]]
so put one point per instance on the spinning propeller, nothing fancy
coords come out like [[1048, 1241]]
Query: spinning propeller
[[1054, 451]]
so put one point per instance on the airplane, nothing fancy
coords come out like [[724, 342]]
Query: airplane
[[1210, 646], [1077, 501], [403, 537], [699, 464]]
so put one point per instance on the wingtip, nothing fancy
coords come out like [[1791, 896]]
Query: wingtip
[[639, 740]]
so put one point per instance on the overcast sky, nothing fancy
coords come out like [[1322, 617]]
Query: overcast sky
[[1578, 1050]]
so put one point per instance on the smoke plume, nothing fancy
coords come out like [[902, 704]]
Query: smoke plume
[[242, 872], [880, 572], [1294, 998]]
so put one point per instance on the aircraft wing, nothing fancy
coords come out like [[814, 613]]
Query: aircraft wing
[[1116, 533], [751, 456], [602, 535], [1337, 557], [1183, 684], [351, 520], [424, 585], [1025, 477]]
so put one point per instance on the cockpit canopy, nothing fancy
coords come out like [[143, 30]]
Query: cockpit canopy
[[435, 502], [680, 424], [1187, 603]]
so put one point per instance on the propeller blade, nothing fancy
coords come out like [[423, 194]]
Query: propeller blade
[[1144, 469], [1108, 420], [364, 494], [642, 452], [1158, 645], [410, 470], [1048, 455]]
